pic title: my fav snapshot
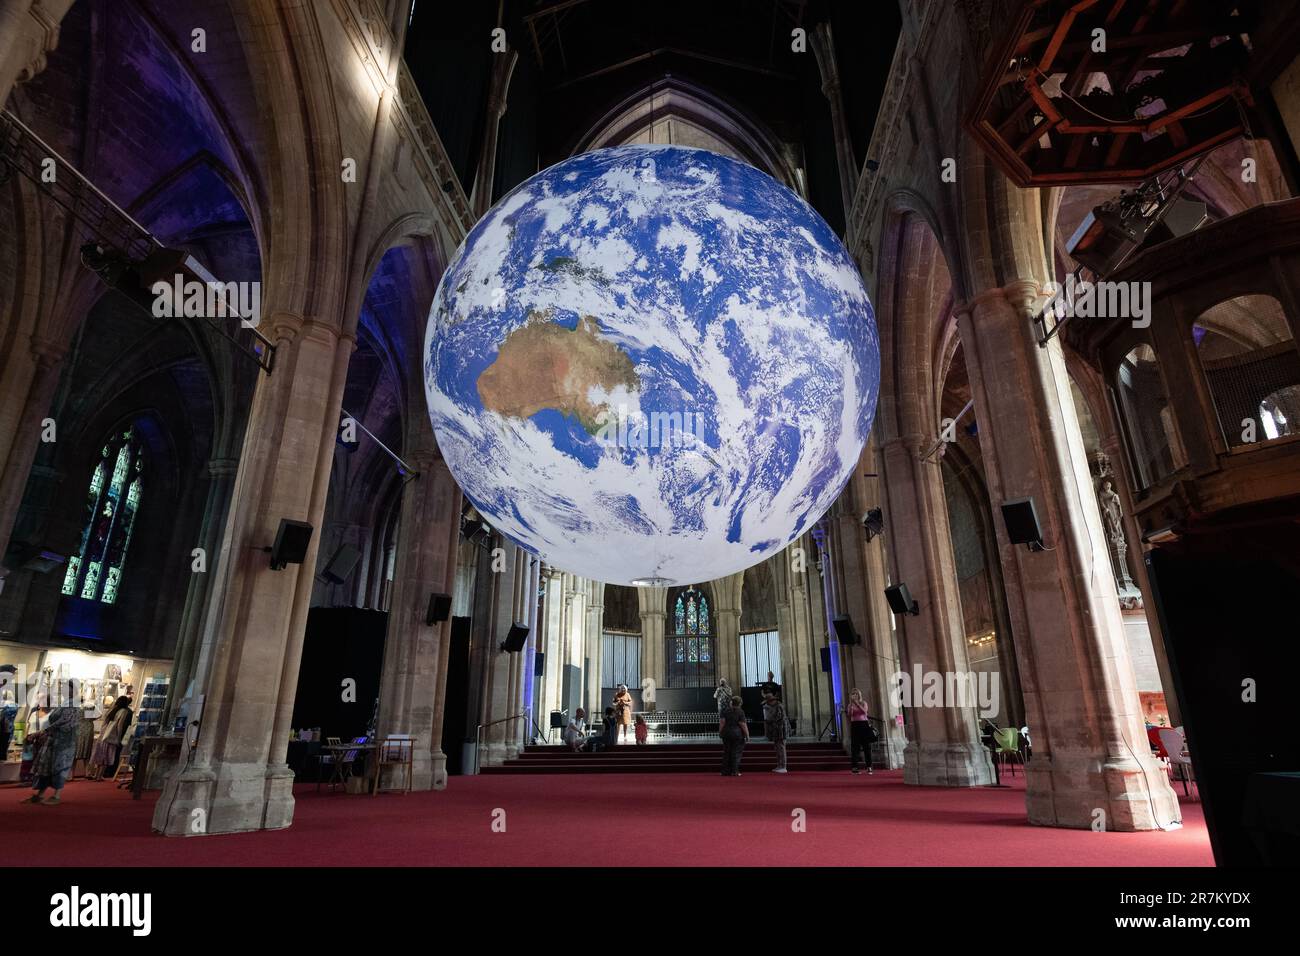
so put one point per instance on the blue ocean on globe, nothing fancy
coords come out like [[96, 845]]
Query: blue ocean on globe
[[651, 364]]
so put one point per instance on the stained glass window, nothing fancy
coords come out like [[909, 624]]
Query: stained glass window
[[95, 572], [691, 643]]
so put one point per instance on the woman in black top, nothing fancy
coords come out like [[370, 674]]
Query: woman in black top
[[735, 734]]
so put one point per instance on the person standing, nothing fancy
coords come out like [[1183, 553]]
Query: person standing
[[770, 686], [723, 696], [861, 734], [623, 709], [8, 717], [54, 762], [774, 727], [734, 731], [642, 730], [110, 737]]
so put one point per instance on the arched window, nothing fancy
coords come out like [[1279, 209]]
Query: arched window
[[1148, 421], [112, 502], [1250, 363], [690, 646]]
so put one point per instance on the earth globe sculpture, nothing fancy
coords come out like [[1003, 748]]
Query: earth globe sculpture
[[651, 365]]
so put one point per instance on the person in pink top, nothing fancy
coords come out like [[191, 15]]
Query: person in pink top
[[861, 733]]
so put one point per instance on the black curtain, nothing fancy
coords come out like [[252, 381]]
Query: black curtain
[[341, 643]]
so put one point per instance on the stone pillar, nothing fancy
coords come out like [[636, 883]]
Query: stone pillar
[[29, 29], [503, 65], [653, 603], [20, 424], [943, 743], [1081, 701], [799, 656], [873, 664], [414, 676], [192, 653], [552, 624], [502, 693], [823, 44], [726, 595], [594, 642], [238, 779], [1111, 447]]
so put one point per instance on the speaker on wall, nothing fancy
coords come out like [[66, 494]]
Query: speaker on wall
[[900, 600], [439, 608], [514, 641], [1022, 523], [826, 660], [341, 565], [291, 540], [539, 664], [844, 630]]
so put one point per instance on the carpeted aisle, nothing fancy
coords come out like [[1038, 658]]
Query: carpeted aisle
[[571, 820]]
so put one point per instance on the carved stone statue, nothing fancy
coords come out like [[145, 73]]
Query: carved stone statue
[[1112, 515], [1112, 511]]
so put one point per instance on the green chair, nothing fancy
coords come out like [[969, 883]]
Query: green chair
[[1008, 750]]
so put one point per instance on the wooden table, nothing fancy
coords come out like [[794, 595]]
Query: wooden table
[[340, 750]]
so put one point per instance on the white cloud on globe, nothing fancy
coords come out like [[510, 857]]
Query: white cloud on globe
[[608, 306]]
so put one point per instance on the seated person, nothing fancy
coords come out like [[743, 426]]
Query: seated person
[[608, 735], [575, 734]]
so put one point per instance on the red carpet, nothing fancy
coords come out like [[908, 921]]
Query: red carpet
[[572, 820]]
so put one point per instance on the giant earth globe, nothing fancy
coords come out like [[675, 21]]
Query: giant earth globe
[[651, 365]]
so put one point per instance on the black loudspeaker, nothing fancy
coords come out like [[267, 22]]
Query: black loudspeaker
[[341, 565], [844, 630], [439, 608], [900, 600], [826, 660], [291, 542], [514, 642], [557, 720], [539, 664], [1022, 523]]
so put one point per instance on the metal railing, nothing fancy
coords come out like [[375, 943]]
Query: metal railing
[[478, 736]]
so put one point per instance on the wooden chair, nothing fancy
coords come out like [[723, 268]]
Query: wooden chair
[[395, 750]]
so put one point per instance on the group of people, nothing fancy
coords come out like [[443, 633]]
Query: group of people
[[733, 727], [50, 746], [614, 726]]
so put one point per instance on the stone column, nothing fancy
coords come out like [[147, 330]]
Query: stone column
[[943, 746], [1091, 760], [799, 657], [192, 653], [595, 643], [29, 29], [653, 603], [726, 595], [552, 623], [238, 779], [503, 65], [873, 664], [23, 432], [823, 44], [414, 676], [502, 695]]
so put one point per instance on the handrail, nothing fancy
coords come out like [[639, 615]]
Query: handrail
[[478, 735]]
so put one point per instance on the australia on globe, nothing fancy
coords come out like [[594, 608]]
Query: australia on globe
[[651, 365]]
